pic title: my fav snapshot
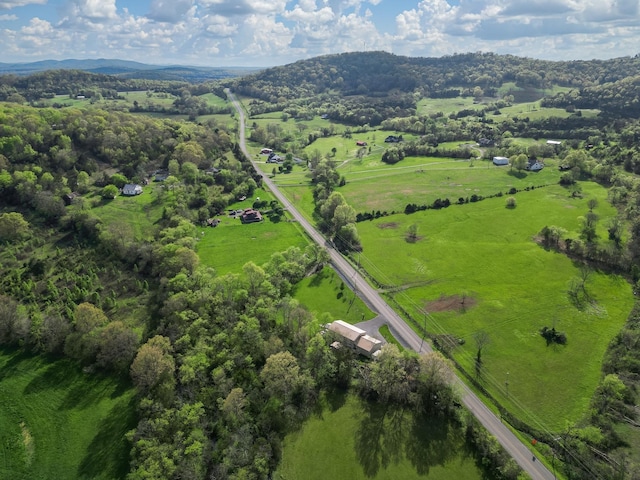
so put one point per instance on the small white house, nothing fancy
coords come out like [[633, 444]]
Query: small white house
[[131, 189], [500, 161], [534, 165]]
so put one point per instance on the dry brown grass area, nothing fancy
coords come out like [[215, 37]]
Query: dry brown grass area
[[449, 303], [388, 225]]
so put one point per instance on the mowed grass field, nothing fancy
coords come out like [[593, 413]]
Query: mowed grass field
[[325, 292], [58, 422], [352, 439], [372, 185], [231, 244], [140, 213], [486, 254]]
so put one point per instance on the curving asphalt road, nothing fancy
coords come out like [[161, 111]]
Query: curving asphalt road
[[520, 453]]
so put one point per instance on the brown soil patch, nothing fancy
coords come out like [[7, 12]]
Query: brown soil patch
[[388, 225], [453, 302]]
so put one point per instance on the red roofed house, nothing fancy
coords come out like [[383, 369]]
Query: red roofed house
[[250, 216]]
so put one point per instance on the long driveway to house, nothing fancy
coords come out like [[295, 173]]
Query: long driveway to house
[[520, 453]]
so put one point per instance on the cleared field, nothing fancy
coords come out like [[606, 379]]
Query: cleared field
[[325, 292], [58, 422], [353, 439], [373, 185], [140, 212], [428, 106], [476, 268], [231, 244]]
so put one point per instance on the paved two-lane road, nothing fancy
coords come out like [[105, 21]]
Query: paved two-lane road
[[520, 453]]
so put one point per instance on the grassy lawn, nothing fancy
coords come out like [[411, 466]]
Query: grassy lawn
[[325, 292], [485, 253], [140, 212], [58, 422], [352, 439], [231, 244], [428, 106]]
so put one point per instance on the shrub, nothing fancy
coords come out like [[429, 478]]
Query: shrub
[[511, 202]]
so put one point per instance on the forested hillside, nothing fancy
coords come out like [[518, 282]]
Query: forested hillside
[[370, 87]]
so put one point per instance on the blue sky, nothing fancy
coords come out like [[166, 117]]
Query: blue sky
[[276, 32]]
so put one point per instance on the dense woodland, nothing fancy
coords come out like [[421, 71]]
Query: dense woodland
[[226, 365]]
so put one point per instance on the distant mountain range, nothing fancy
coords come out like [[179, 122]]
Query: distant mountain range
[[128, 69]]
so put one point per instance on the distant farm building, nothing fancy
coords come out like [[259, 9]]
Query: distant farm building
[[131, 189], [266, 151], [393, 139], [354, 338], [70, 197], [360, 143], [500, 161], [554, 142]]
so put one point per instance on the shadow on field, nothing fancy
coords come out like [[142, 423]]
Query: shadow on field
[[14, 357], [81, 390], [387, 434], [518, 174], [108, 453], [58, 375], [318, 278]]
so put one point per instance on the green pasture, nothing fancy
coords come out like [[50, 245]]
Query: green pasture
[[223, 120], [231, 244], [140, 213], [534, 111], [373, 185], [325, 292], [428, 106], [215, 101], [353, 439], [58, 422], [476, 267]]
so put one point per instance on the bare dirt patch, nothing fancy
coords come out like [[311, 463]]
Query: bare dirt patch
[[450, 303], [388, 225]]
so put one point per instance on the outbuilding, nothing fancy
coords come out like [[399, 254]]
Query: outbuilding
[[131, 189], [500, 161]]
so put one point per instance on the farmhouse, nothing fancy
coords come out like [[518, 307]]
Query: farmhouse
[[534, 165], [354, 338], [500, 161], [250, 215], [266, 151], [131, 189]]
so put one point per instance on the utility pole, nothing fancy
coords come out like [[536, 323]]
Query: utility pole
[[424, 331], [506, 384]]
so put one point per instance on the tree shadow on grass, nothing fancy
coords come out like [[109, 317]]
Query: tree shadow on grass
[[517, 173], [435, 441], [56, 376], [88, 391], [380, 437], [14, 357], [108, 453], [318, 278], [388, 434]]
